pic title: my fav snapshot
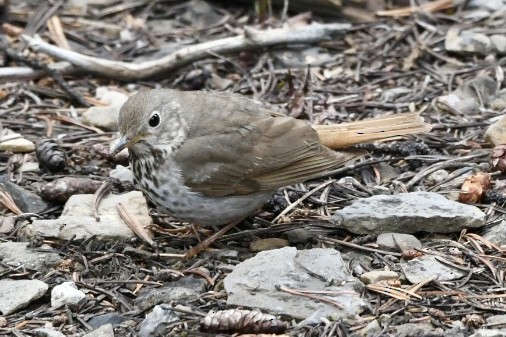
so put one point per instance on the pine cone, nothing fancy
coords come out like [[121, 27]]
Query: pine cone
[[241, 321]]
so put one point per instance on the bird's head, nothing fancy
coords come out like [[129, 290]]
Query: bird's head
[[151, 119]]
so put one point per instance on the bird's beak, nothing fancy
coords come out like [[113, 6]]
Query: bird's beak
[[120, 145], [124, 142]]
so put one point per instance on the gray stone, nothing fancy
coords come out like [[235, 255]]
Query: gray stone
[[17, 254], [256, 283], [17, 294], [156, 321], [301, 57], [123, 174], [469, 96], [200, 14], [7, 224], [408, 213], [493, 5], [397, 242], [77, 220], [413, 329], [437, 177], [27, 201], [105, 330], [489, 333], [371, 329], [499, 43], [427, 267], [376, 276], [299, 235], [183, 290], [161, 26], [496, 233], [67, 293], [388, 172], [465, 41], [47, 332], [110, 318], [496, 321]]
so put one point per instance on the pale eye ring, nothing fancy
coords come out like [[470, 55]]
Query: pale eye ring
[[154, 120]]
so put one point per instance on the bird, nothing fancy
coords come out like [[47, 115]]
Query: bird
[[215, 158]]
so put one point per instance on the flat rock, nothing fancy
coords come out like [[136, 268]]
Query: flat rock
[[17, 294], [427, 267], [255, 283], [408, 213], [17, 144], [397, 242], [77, 220], [183, 290], [17, 254]]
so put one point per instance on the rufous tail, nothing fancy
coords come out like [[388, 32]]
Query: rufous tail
[[342, 135]]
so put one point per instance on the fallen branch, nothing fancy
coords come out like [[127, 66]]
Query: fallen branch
[[251, 39]]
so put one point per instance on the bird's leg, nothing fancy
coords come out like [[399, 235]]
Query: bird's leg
[[207, 242]]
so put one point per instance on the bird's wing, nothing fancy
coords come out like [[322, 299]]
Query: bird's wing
[[262, 154]]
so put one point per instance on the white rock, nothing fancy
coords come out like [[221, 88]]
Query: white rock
[[67, 293], [123, 174]]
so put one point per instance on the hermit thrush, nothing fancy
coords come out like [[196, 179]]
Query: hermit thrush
[[212, 158]]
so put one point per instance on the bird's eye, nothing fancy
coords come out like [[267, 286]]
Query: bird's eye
[[154, 120]]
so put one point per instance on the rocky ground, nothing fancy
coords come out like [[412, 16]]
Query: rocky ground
[[408, 241]]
